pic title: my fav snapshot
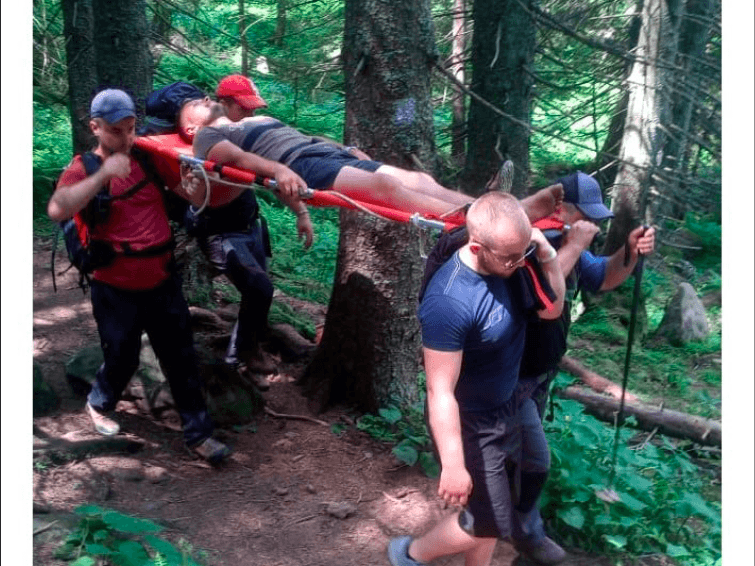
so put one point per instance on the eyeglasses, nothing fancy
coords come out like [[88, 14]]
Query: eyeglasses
[[508, 262]]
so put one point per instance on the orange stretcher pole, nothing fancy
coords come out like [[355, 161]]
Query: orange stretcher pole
[[153, 144]]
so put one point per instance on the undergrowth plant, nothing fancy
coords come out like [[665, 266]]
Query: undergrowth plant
[[121, 540], [660, 509], [404, 426]]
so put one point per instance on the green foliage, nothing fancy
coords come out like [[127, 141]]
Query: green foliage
[[404, 426], [659, 508], [121, 539], [708, 232], [52, 149], [306, 274]]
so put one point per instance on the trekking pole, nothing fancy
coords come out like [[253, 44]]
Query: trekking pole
[[609, 495]]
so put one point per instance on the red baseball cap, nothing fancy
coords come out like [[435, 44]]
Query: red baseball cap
[[242, 90]]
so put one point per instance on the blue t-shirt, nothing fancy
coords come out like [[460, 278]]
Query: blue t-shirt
[[463, 310], [591, 271]]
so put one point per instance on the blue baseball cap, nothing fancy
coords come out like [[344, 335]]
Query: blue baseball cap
[[584, 192], [112, 105]]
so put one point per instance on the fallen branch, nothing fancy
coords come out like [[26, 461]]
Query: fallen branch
[[68, 449], [593, 380], [272, 413], [649, 417]]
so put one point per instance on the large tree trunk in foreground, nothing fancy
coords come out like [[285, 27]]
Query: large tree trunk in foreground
[[369, 347], [123, 56], [649, 417]]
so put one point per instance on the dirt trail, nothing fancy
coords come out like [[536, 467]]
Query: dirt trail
[[279, 501]]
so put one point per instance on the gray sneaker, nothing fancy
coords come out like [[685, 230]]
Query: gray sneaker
[[103, 423], [545, 551], [398, 552], [212, 450]]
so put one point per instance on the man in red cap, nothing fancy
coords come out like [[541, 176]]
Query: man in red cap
[[240, 97]]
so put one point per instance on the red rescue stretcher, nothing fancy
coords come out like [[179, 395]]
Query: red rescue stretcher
[[169, 151]]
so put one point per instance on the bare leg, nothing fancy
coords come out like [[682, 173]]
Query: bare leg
[[447, 538], [389, 190], [425, 184]]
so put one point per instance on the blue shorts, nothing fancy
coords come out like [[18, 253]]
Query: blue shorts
[[320, 167]]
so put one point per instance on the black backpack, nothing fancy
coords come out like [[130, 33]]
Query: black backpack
[[162, 106], [85, 253], [545, 340]]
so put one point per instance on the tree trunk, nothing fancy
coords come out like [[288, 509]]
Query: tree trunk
[[642, 138], [689, 80], [242, 39], [649, 417], [458, 49], [123, 57], [82, 79], [280, 23], [503, 49], [369, 349]]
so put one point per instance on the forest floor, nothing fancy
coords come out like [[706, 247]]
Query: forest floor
[[293, 493]]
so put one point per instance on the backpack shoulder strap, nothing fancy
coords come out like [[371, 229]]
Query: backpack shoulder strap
[[92, 162]]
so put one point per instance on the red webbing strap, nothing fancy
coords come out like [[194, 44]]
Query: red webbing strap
[[319, 198], [541, 294], [551, 222]]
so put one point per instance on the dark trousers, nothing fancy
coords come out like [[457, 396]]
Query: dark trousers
[[241, 256], [533, 394], [163, 314]]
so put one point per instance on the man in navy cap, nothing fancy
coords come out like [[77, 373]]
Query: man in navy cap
[[137, 289], [545, 344]]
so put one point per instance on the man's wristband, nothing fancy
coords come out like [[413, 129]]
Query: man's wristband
[[304, 212], [552, 254], [349, 148]]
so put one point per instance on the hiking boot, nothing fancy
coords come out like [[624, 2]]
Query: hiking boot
[[545, 551], [103, 423], [398, 552], [212, 450]]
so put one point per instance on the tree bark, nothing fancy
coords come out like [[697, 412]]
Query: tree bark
[[280, 23], [642, 139], [369, 348], [242, 40], [649, 417], [123, 57], [503, 49], [78, 26], [458, 50], [594, 381]]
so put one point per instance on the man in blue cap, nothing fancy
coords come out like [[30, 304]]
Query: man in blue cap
[[545, 344], [136, 289]]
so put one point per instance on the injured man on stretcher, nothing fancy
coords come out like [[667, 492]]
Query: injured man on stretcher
[[296, 161]]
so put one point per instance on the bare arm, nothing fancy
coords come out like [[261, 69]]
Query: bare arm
[[443, 369], [552, 271], [640, 241], [69, 199], [289, 183], [227, 153]]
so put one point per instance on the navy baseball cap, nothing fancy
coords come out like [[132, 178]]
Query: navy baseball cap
[[584, 192], [112, 105]]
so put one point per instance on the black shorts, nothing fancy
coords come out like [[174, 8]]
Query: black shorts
[[492, 447], [320, 167]]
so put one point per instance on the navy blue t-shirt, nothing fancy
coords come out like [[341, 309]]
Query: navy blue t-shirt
[[463, 310]]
